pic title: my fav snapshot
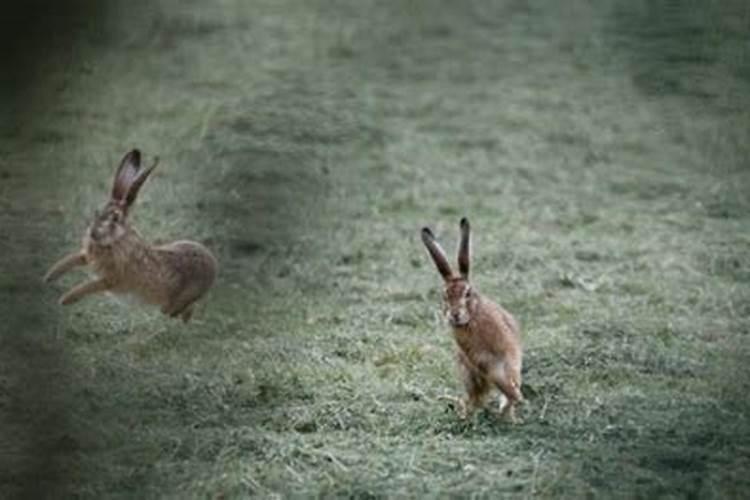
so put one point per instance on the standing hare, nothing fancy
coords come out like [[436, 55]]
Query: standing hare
[[487, 336], [173, 276]]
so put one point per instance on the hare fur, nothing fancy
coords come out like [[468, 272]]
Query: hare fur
[[488, 339], [173, 276]]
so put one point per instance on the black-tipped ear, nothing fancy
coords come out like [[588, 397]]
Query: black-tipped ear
[[125, 175], [136, 184], [464, 248], [437, 253]]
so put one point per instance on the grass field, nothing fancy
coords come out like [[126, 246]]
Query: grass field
[[600, 150]]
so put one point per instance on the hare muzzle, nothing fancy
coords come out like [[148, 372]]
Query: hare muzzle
[[457, 317]]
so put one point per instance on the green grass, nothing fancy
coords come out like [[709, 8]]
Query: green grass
[[606, 179]]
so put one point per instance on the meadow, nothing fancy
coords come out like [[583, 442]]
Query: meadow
[[600, 150]]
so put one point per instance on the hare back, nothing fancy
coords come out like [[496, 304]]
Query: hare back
[[154, 274], [193, 263], [172, 272]]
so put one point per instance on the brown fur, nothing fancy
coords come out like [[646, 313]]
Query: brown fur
[[488, 339], [173, 276]]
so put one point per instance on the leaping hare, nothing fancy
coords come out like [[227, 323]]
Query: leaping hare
[[173, 276], [487, 336]]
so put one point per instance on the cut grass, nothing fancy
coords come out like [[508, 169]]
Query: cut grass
[[306, 146]]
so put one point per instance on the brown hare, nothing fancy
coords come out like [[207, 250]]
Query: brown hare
[[487, 336], [173, 276]]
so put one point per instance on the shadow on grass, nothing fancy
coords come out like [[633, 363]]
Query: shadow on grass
[[677, 49], [656, 425], [37, 438]]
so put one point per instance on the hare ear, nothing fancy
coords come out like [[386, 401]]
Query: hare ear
[[437, 253], [135, 184], [464, 255], [125, 175]]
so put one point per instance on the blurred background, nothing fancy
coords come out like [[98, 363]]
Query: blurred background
[[600, 150]]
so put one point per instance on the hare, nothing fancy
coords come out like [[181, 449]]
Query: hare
[[487, 336], [173, 276]]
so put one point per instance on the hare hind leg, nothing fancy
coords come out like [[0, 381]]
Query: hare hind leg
[[187, 313], [182, 305], [510, 388]]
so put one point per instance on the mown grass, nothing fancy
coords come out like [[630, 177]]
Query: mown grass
[[306, 145]]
